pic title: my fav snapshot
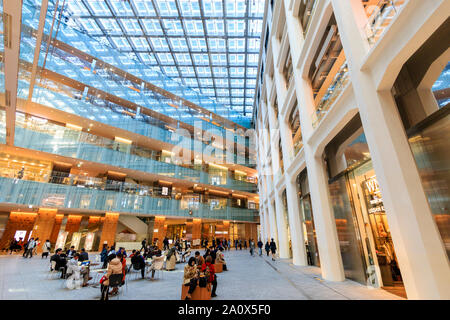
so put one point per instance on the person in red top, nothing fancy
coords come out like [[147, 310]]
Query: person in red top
[[212, 275]]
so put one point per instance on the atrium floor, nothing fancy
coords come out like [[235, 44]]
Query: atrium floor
[[248, 278]]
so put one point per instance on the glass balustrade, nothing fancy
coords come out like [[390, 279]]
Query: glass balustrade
[[112, 116], [39, 194], [381, 18], [47, 137], [334, 90]]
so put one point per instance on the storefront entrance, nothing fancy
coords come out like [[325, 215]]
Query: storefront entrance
[[367, 249]]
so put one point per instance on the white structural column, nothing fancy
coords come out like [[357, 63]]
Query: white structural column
[[327, 239], [273, 222], [295, 224], [422, 259], [12, 19], [283, 239]]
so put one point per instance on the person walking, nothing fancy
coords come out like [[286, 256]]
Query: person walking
[[46, 249], [267, 247], [37, 243], [30, 246], [260, 245], [251, 244], [273, 249], [166, 243], [235, 244], [240, 244], [144, 244]]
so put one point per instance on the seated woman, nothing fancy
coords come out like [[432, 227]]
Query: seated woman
[[114, 267], [171, 259], [190, 276], [220, 258]]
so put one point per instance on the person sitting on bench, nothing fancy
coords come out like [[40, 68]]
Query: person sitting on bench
[[190, 276], [221, 259]]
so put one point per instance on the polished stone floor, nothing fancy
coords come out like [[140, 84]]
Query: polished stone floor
[[248, 278]]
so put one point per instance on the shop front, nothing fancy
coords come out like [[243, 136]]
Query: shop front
[[309, 230]]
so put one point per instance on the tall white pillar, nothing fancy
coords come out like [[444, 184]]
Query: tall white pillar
[[422, 259], [273, 222], [295, 224], [283, 239]]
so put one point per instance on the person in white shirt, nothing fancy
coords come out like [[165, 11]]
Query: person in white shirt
[[46, 249]]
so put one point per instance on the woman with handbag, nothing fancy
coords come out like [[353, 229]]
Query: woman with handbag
[[190, 276], [208, 268]]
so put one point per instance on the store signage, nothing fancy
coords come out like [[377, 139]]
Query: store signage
[[89, 241], [61, 240]]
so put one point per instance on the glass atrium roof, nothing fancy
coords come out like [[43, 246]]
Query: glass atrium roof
[[211, 46]]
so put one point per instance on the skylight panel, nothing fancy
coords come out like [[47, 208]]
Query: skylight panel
[[171, 71], [191, 82], [236, 8], [121, 43], [99, 8], [121, 8], [197, 44], [220, 72], [194, 27], [187, 71], [144, 8], [173, 27], [236, 45], [152, 27], [110, 26], [167, 8], [216, 44], [147, 58], [165, 58], [78, 8], [205, 82], [183, 58], [131, 26], [236, 27], [219, 59], [212, 8], [215, 27], [189, 8], [254, 27], [159, 44], [251, 72], [253, 45], [221, 82], [91, 26], [178, 44], [140, 43], [203, 71], [201, 59]]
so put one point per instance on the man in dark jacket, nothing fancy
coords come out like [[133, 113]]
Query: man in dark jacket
[[260, 245], [144, 244], [138, 263], [166, 243], [61, 262], [273, 248], [83, 255]]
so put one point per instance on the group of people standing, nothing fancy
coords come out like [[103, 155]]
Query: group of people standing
[[29, 247]]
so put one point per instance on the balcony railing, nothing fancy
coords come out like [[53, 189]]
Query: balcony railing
[[85, 146], [336, 87], [381, 18], [38, 194]]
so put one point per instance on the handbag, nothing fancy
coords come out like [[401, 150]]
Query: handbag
[[202, 282], [102, 279]]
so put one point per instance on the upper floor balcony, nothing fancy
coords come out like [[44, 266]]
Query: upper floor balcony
[[380, 16], [61, 196], [40, 134]]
